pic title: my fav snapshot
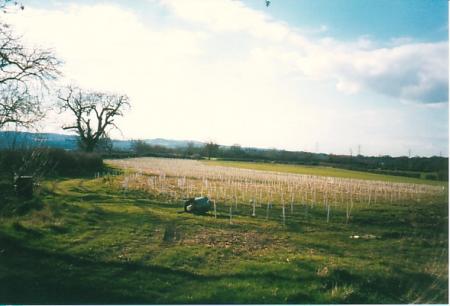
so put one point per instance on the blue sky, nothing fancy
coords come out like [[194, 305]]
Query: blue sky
[[424, 20], [298, 75]]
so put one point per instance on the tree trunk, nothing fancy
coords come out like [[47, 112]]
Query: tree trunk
[[89, 146]]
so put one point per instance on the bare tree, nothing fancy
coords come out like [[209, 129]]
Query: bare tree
[[94, 113], [22, 71]]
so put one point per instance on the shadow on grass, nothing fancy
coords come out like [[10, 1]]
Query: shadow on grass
[[33, 276], [16, 206], [36, 276]]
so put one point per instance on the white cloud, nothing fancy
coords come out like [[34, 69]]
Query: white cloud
[[230, 16], [414, 71], [417, 72]]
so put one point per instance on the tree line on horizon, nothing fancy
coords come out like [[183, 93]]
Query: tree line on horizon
[[436, 167]]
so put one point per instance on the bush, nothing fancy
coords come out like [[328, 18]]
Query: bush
[[431, 176], [443, 174], [74, 162], [396, 173], [45, 162]]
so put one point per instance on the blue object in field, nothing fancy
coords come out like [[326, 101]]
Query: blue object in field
[[199, 205]]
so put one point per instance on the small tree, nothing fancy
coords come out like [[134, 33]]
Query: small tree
[[236, 151], [94, 113], [211, 149], [140, 147], [190, 149]]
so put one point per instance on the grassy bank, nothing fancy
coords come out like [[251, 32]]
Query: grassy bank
[[321, 171], [87, 241]]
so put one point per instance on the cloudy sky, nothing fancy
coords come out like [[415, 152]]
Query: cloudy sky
[[314, 75]]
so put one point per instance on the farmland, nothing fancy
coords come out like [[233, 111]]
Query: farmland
[[274, 237], [321, 171], [235, 188]]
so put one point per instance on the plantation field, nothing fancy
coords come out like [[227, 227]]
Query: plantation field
[[321, 171], [119, 237]]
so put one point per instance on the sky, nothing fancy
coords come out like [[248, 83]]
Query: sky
[[332, 76]]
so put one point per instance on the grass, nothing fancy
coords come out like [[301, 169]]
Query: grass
[[321, 171], [85, 241]]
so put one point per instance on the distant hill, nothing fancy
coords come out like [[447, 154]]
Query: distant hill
[[12, 139], [173, 143]]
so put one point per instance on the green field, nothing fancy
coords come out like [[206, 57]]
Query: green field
[[84, 240], [321, 171]]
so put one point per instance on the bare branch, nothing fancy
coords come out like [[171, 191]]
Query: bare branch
[[21, 68], [18, 106], [19, 63]]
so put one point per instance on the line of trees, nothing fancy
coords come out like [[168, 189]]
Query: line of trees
[[208, 150], [402, 166]]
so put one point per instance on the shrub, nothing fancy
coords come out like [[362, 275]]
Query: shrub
[[431, 176], [45, 162]]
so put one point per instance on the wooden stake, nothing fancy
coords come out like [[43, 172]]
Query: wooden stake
[[292, 203]]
